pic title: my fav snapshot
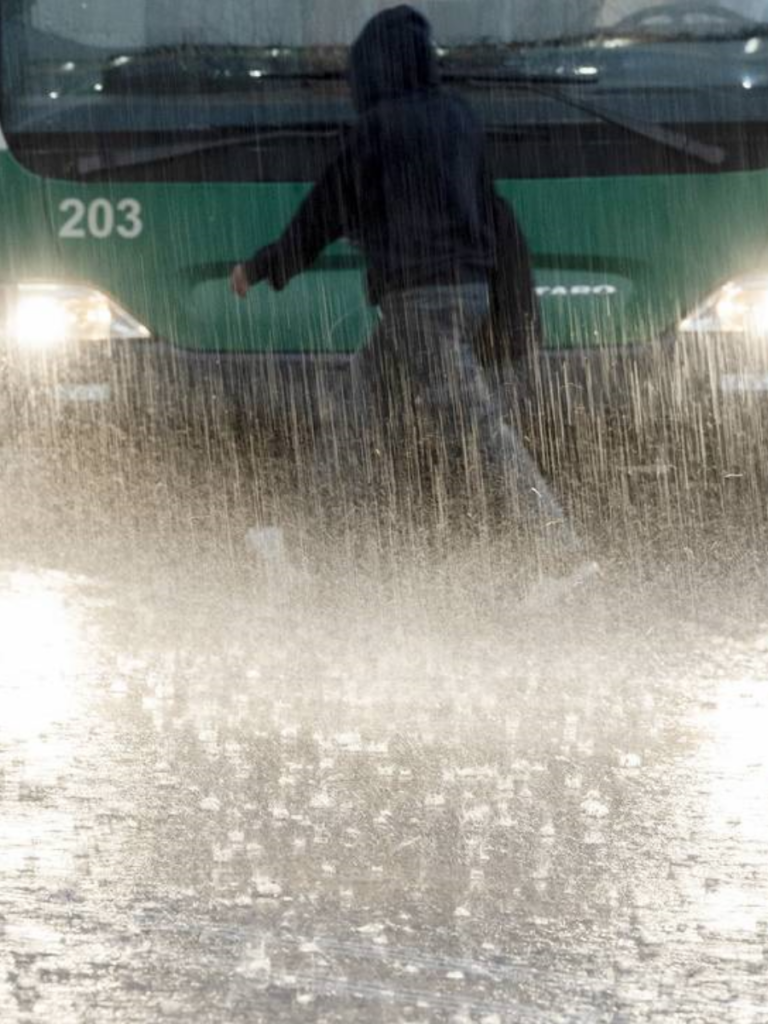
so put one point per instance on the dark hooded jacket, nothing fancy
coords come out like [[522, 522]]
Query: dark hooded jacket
[[411, 186]]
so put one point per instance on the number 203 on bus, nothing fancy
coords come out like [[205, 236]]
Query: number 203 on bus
[[101, 218]]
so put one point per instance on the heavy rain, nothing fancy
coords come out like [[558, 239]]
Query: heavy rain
[[306, 717]]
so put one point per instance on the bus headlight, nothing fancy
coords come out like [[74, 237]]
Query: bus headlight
[[739, 307], [44, 317]]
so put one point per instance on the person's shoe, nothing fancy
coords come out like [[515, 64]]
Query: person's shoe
[[553, 590], [267, 543], [269, 549]]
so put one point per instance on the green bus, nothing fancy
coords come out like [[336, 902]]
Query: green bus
[[146, 147]]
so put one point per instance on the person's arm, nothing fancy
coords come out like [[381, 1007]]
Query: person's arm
[[329, 212]]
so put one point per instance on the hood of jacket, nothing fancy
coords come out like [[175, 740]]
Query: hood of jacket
[[392, 56]]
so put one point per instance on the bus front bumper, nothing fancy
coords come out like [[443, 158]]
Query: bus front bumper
[[131, 380]]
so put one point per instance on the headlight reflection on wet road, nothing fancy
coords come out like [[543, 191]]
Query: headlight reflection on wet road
[[41, 661], [734, 770], [738, 756], [40, 655]]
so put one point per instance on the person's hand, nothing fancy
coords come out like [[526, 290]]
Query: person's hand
[[238, 281]]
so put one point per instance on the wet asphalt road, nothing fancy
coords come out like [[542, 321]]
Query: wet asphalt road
[[367, 795]]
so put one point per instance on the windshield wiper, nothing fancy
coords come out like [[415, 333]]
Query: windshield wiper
[[94, 165], [634, 34], [537, 83]]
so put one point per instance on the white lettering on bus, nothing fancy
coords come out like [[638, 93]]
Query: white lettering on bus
[[101, 218], [565, 291]]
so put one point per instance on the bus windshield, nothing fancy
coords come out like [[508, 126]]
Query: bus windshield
[[158, 70]]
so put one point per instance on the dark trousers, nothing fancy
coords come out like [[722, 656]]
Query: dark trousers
[[418, 386]]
